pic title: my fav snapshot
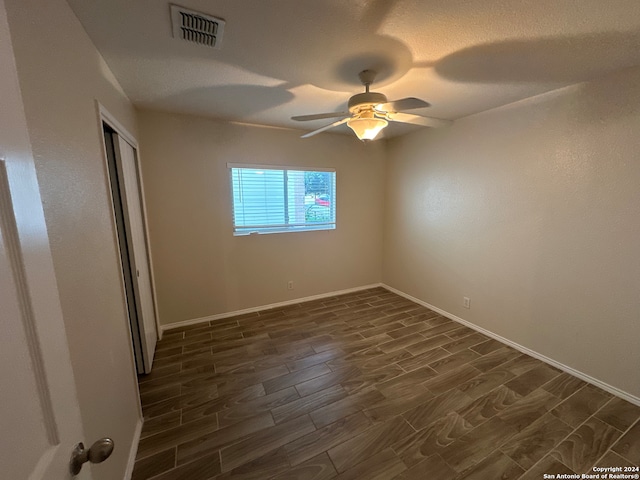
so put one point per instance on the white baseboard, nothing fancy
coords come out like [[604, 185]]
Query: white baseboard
[[134, 451], [235, 313], [572, 371]]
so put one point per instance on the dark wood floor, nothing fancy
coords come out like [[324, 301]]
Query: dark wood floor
[[368, 386]]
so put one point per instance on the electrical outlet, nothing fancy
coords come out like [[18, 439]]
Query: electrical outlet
[[466, 303], [290, 285]]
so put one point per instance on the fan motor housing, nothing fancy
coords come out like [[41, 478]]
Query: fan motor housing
[[366, 99]]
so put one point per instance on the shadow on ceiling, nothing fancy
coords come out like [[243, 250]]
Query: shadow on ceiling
[[328, 59], [564, 60], [229, 101]]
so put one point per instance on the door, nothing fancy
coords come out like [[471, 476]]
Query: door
[[39, 419], [143, 312]]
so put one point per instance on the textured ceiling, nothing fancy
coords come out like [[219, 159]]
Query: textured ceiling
[[281, 58]]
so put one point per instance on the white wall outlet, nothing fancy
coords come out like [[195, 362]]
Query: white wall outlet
[[290, 285], [466, 303]]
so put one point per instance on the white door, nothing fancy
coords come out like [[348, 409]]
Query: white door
[[39, 415], [132, 206]]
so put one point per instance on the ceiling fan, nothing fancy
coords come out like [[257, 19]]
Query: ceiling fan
[[370, 112]]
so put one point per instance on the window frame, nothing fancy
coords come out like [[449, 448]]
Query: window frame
[[286, 227]]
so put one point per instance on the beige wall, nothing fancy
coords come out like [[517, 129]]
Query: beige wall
[[533, 211], [200, 268], [61, 75]]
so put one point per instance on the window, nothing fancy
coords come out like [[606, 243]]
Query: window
[[269, 199]]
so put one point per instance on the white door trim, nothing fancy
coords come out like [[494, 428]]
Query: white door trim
[[106, 117]]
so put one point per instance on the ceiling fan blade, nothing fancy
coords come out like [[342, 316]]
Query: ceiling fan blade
[[318, 116], [408, 103], [327, 127], [418, 120]]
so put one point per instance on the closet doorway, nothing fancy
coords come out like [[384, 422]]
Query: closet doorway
[[129, 213]]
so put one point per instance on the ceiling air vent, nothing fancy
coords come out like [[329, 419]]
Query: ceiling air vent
[[197, 27]]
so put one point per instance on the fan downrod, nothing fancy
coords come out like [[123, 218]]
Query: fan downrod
[[367, 77], [366, 100]]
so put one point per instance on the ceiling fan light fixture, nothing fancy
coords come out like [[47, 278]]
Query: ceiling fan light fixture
[[370, 112], [367, 127]]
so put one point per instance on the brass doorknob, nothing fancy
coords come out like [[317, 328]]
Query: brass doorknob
[[97, 453]]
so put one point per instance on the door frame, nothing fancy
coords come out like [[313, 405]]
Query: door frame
[[105, 117]]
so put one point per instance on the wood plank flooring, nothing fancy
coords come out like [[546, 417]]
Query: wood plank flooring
[[368, 386]]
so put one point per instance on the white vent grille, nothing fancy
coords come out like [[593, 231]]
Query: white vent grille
[[197, 27]]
